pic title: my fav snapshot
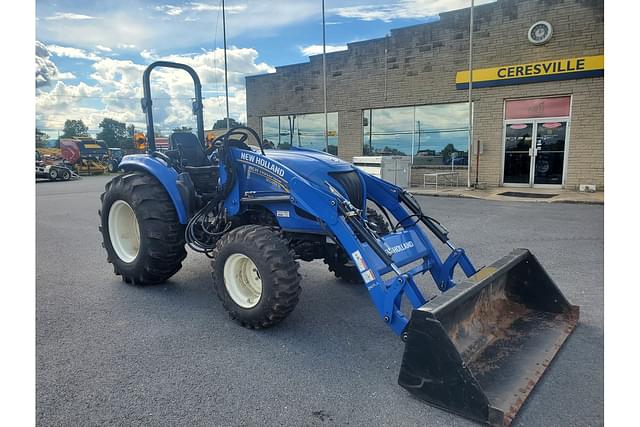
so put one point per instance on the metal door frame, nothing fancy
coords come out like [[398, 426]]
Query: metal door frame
[[534, 135], [506, 123]]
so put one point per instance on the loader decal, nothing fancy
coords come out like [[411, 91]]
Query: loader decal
[[400, 248], [250, 158], [269, 177], [357, 257]]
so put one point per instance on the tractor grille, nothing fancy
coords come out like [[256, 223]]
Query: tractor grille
[[350, 182]]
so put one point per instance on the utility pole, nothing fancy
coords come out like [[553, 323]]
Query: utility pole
[[470, 88], [226, 82], [324, 79]]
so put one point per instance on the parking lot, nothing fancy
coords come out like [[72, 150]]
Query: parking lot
[[111, 353]]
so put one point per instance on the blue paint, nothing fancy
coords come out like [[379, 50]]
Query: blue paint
[[167, 176]]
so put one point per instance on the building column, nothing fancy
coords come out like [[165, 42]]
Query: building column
[[350, 137], [255, 123]]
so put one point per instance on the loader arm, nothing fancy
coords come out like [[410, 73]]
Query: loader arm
[[374, 255]]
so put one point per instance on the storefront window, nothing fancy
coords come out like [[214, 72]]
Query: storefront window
[[301, 130], [434, 135]]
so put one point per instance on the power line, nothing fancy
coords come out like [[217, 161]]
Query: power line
[[112, 97]]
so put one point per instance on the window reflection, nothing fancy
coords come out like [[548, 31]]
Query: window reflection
[[301, 130], [434, 134]]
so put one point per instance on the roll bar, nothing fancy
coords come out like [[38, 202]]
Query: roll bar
[[147, 103]]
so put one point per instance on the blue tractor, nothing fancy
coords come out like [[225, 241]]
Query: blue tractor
[[477, 349]]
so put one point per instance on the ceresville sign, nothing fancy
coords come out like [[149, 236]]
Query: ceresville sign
[[559, 69]]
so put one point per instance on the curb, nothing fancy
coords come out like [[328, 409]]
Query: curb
[[513, 199]]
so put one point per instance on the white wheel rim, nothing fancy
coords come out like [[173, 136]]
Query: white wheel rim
[[124, 231], [242, 280], [53, 173]]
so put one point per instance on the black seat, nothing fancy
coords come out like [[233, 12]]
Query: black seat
[[191, 151]]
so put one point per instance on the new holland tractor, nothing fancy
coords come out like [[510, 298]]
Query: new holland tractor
[[477, 349]]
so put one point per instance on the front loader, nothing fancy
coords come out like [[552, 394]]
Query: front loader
[[477, 349]]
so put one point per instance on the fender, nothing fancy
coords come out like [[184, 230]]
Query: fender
[[167, 176]]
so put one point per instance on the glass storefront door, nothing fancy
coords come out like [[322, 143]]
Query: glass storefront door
[[535, 141], [549, 152], [517, 149], [535, 164]]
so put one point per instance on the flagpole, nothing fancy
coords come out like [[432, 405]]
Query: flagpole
[[226, 82], [324, 78]]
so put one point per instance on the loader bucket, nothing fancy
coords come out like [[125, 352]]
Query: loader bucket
[[479, 348]]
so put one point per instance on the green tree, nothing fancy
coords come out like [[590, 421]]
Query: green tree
[[222, 123], [74, 128], [183, 129], [41, 139], [446, 153], [114, 133]]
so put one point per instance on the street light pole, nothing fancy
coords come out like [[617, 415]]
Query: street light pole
[[324, 79], [226, 82], [470, 88]]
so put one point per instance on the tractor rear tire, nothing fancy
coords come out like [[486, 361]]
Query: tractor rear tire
[[255, 276], [149, 239], [341, 265]]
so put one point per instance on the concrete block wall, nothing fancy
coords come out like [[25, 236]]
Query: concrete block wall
[[417, 65]]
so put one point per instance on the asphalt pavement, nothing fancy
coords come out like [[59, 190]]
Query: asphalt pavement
[[116, 354]]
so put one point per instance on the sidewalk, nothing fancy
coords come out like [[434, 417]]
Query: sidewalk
[[560, 195]]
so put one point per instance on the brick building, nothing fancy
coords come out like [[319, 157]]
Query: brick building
[[538, 89]]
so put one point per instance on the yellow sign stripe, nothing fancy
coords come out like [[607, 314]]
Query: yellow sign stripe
[[534, 69]]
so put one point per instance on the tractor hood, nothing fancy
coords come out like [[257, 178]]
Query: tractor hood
[[311, 164], [319, 168]]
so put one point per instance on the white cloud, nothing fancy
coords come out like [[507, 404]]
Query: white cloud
[[125, 46], [46, 69], [69, 16], [316, 49], [201, 7], [149, 55], [103, 48], [136, 23], [170, 10], [66, 76], [72, 52], [117, 90], [403, 9]]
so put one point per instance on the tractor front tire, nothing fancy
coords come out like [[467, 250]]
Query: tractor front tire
[[255, 276], [140, 229], [339, 262]]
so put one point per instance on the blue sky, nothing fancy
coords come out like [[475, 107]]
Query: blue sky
[[90, 54]]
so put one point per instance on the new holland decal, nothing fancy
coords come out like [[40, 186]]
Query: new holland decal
[[265, 168], [399, 248]]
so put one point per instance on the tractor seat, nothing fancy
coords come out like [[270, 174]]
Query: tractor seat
[[191, 151]]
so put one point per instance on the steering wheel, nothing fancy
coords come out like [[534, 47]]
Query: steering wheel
[[162, 156], [219, 140]]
